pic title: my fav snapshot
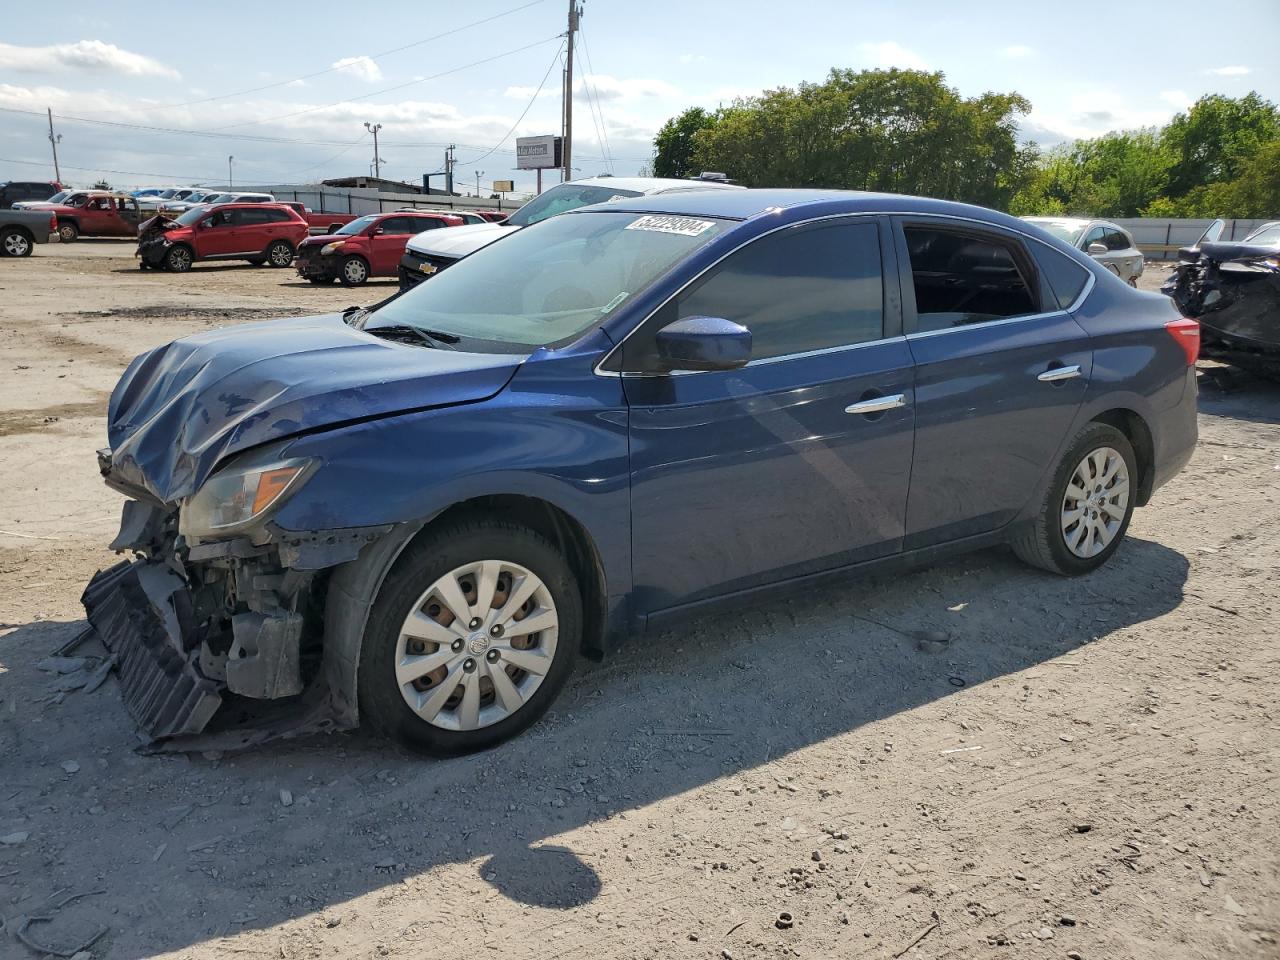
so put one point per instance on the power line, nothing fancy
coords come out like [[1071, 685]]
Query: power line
[[520, 119], [398, 86], [604, 131], [125, 173], [375, 56]]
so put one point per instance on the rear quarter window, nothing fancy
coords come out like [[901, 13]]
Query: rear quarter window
[[1066, 277]]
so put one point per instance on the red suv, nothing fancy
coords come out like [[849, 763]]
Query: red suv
[[257, 232], [369, 247]]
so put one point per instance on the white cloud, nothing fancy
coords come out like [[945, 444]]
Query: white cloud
[[1018, 52], [1097, 112], [361, 66], [1236, 71], [691, 58], [93, 55], [890, 53], [603, 88], [1177, 99]]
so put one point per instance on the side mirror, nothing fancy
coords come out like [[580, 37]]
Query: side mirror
[[1097, 249], [379, 231], [703, 343]]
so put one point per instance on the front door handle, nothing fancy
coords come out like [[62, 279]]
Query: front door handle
[[1054, 374], [877, 404]]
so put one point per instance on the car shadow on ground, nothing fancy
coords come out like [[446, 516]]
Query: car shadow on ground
[[1238, 395], [190, 849]]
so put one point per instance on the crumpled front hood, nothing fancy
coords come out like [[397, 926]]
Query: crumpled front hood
[[181, 409]]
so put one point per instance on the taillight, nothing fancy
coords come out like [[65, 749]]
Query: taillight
[[1187, 334], [53, 223]]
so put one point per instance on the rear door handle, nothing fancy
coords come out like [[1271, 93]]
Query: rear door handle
[[877, 404], [1054, 374]]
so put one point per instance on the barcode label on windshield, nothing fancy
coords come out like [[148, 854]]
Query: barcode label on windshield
[[684, 226]]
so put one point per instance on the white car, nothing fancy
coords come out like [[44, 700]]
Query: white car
[[433, 250], [1107, 243]]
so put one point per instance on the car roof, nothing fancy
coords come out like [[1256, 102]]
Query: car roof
[[277, 205], [652, 185], [743, 204]]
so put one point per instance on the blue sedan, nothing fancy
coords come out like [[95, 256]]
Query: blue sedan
[[418, 515]]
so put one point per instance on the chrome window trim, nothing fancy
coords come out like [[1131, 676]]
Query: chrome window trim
[[1074, 306]]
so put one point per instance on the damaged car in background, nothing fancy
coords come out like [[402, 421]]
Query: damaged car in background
[[1233, 289], [417, 516]]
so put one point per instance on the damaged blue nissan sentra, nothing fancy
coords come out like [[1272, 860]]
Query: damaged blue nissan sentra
[[418, 515]]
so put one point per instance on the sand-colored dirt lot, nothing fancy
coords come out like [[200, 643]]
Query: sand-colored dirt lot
[[1086, 768]]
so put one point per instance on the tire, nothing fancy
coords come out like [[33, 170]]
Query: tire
[[68, 232], [1048, 542], [447, 555], [1133, 282], [353, 271], [178, 259], [15, 243], [280, 254]]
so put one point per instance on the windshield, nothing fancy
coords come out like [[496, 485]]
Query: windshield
[[545, 286], [189, 217], [562, 199], [59, 196], [1062, 229], [355, 226], [220, 198], [1213, 233], [1267, 233]]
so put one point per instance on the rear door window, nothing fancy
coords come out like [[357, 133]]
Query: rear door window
[[961, 278]]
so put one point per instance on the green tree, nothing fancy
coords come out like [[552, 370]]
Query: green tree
[[899, 130], [673, 146], [1214, 140]]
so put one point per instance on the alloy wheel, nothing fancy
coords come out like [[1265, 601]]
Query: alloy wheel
[[1095, 503], [281, 255], [476, 645], [16, 245]]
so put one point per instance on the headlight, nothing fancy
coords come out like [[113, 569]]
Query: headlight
[[332, 247], [242, 493]]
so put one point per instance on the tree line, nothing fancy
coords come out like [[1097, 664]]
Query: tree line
[[907, 131]]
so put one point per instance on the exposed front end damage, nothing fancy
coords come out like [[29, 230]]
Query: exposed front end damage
[[222, 644], [1233, 290]]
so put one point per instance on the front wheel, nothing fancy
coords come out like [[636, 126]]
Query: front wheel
[[1088, 507], [280, 254], [470, 639], [68, 232], [15, 243], [354, 271], [178, 259]]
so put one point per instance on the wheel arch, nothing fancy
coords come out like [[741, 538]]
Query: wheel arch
[[1138, 433], [352, 587]]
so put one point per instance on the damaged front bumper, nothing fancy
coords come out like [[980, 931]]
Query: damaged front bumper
[[222, 644]]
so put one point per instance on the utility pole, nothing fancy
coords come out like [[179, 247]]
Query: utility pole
[[377, 164], [575, 11], [448, 169], [230, 184], [54, 141]]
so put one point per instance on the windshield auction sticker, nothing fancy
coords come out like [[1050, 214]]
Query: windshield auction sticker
[[683, 226]]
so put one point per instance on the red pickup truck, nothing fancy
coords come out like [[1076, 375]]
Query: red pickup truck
[[320, 223], [102, 215]]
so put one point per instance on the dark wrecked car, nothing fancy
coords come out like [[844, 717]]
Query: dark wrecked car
[[1233, 289], [418, 515]]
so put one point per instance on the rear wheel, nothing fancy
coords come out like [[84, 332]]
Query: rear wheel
[[1133, 282], [472, 636], [15, 243], [68, 232], [178, 259], [1088, 507], [354, 271], [280, 253]]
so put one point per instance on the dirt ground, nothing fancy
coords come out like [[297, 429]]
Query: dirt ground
[[1086, 768]]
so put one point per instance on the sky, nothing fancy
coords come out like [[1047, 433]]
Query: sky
[[287, 88]]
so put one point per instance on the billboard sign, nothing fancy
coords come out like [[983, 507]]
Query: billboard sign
[[538, 153]]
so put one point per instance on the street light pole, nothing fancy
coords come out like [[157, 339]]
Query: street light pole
[[377, 163], [54, 141], [230, 183]]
